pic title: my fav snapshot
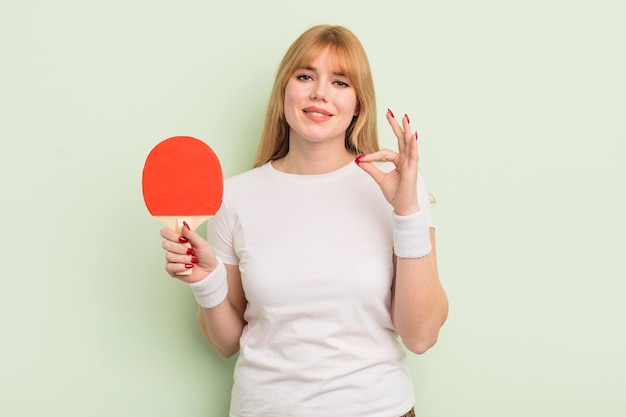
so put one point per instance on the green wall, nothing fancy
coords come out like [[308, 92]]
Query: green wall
[[520, 108]]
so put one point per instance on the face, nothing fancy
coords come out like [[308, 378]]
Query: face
[[320, 102]]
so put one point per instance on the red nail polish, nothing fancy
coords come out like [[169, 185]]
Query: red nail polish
[[186, 225], [188, 266], [391, 113], [191, 251], [195, 260], [407, 118], [183, 239], [416, 135], [357, 160]]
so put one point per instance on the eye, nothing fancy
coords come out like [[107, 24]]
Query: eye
[[303, 77], [342, 84]]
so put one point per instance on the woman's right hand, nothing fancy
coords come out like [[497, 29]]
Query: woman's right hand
[[185, 252]]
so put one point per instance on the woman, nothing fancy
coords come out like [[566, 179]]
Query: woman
[[316, 264]]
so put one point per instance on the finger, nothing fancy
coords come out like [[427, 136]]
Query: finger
[[397, 129], [365, 162], [383, 155], [172, 243], [184, 266], [169, 234], [406, 125], [176, 247], [177, 258], [413, 155], [176, 243], [194, 238], [174, 269], [414, 150], [409, 162], [395, 126], [204, 256], [179, 248], [409, 150], [373, 171], [409, 138]]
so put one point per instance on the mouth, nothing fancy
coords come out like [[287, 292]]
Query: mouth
[[316, 112]]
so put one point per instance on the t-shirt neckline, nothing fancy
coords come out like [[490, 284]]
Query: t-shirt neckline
[[343, 171]]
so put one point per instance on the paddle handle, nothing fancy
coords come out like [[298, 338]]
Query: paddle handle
[[176, 223]]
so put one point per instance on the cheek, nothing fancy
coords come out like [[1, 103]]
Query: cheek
[[291, 98], [350, 106], [286, 99], [355, 108], [288, 106]]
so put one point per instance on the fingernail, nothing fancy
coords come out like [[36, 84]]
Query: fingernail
[[183, 239], [188, 266], [357, 160], [391, 113], [186, 225], [407, 118], [416, 135], [194, 260], [191, 251]]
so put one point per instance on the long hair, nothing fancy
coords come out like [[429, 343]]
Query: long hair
[[362, 133]]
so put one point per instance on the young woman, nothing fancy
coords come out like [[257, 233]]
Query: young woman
[[324, 253]]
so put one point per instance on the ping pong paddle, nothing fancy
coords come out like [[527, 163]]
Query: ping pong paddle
[[182, 182]]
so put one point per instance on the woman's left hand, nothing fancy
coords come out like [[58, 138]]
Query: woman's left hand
[[399, 185]]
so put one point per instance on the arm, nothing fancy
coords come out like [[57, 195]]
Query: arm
[[223, 323], [419, 304]]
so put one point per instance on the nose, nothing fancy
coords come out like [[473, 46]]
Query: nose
[[319, 92]]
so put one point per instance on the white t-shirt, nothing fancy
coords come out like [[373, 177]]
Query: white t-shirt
[[315, 255]]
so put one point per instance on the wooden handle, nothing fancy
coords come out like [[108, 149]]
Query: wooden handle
[[176, 223]]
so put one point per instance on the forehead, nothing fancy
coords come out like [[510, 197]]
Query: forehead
[[329, 55]]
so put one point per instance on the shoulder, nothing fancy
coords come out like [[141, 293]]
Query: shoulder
[[247, 186], [246, 178]]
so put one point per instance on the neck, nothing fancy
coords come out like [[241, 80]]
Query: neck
[[313, 162]]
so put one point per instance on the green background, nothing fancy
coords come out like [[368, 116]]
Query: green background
[[520, 108]]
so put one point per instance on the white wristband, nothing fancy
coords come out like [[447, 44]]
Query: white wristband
[[411, 238], [213, 289]]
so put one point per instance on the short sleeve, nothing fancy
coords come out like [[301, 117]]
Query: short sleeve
[[220, 236]]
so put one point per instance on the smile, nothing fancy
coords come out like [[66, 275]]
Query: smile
[[316, 114]]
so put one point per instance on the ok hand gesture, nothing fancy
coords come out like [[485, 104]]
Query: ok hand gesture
[[399, 186]]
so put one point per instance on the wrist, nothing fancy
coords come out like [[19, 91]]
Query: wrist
[[411, 237], [212, 289], [407, 211]]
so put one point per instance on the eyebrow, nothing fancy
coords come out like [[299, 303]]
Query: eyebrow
[[313, 69]]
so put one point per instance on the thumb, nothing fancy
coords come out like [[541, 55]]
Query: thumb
[[191, 235], [206, 257], [370, 168]]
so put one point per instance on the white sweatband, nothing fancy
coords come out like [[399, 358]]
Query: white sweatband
[[213, 289], [411, 238]]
